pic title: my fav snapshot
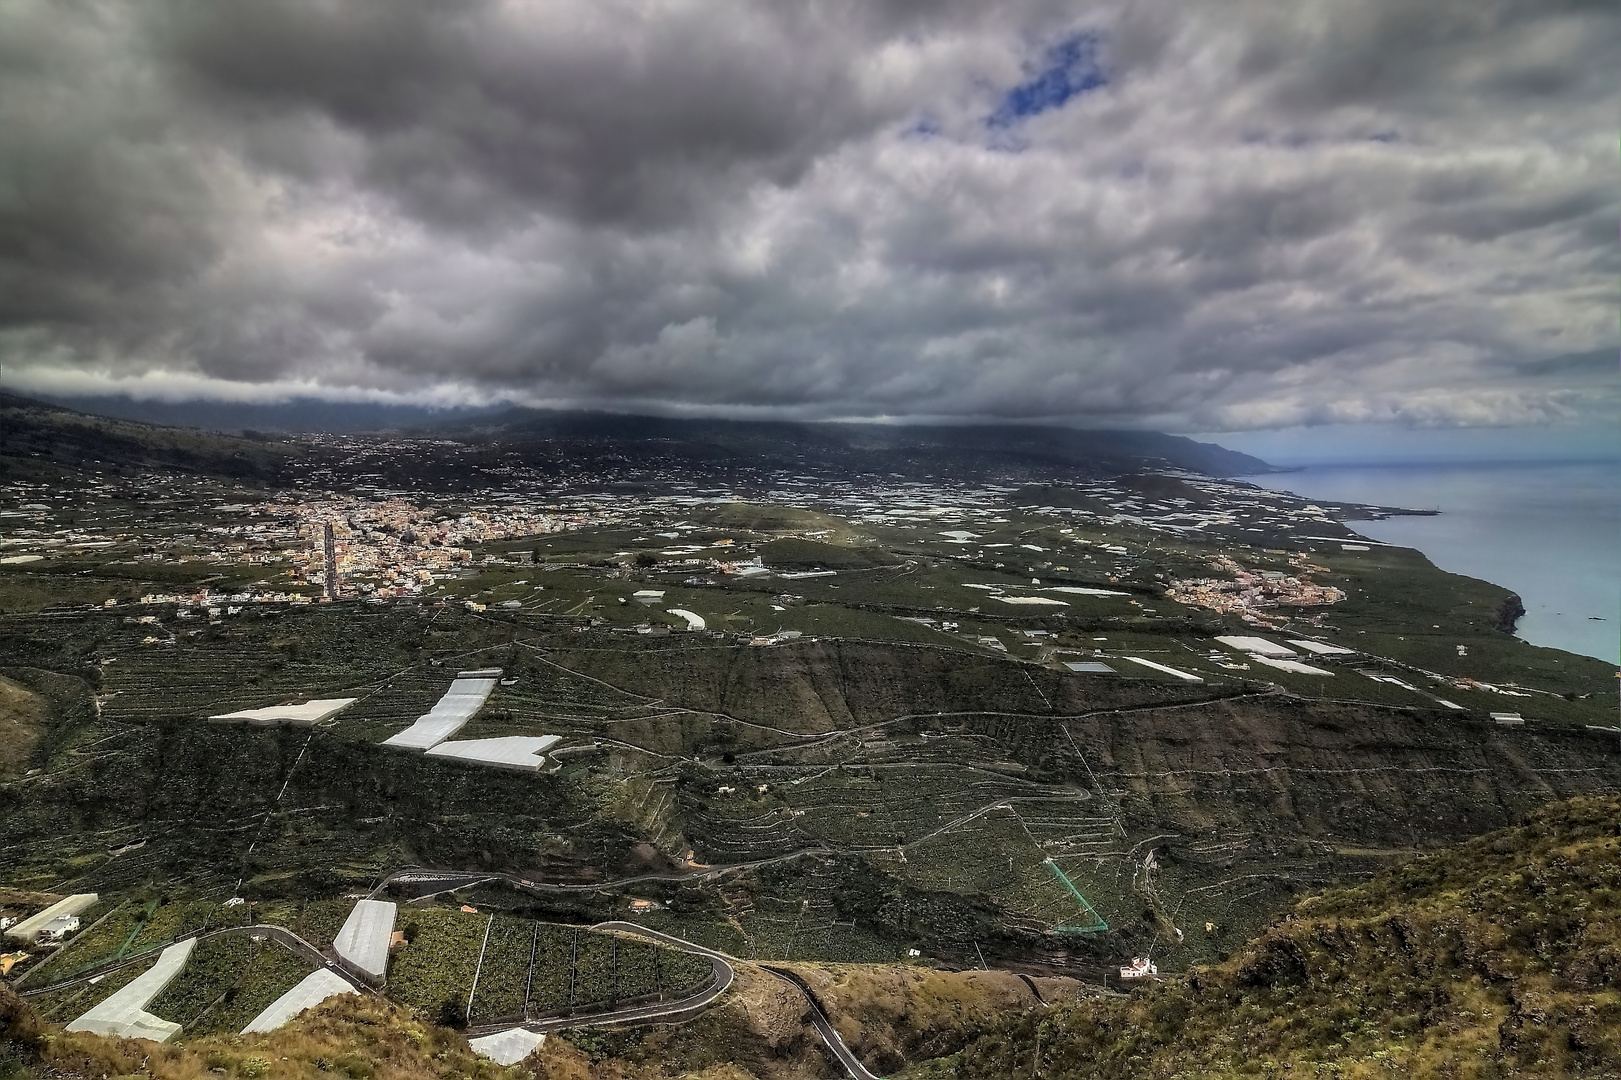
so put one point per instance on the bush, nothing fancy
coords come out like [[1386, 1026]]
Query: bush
[[452, 1014]]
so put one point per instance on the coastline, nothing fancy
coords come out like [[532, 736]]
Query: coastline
[[1546, 531]]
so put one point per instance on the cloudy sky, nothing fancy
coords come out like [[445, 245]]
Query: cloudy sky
[[1199, 217]]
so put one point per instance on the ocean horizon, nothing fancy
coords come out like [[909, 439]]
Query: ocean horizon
[[1548, 530]]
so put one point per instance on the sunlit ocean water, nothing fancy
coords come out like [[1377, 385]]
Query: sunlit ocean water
[[1549, 531]]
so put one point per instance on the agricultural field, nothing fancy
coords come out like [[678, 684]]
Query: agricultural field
[[572, 969], [595, 966], [681, 973], [272, 970], [433, 970], [214, 969], [316, 921], [552, 976], [504, 974], [61, 1006]]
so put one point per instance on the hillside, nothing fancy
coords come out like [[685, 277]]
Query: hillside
[[39, 441], [1499, 957], [915, 450]]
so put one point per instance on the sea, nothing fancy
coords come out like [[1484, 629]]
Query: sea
[[1550, 531]]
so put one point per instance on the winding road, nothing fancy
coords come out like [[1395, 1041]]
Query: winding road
[[824, 1026], [724, 974]]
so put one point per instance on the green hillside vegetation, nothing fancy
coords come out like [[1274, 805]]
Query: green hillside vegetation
[[23, 715], [1499, 957], [38, 440], [795, 554]]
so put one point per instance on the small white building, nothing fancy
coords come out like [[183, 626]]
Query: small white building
[[57, 929], [28, 931]]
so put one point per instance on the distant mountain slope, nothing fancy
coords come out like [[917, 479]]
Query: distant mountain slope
[[298, 416], [39, 440], [980, 451], [1500, 957], [611, 448]]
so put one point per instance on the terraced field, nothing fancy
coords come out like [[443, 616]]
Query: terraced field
[[572, 968], [271, 971], [61, 1006], [213, 970], [434, 970], [504, 975]]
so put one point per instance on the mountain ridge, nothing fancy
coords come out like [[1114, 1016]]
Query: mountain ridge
[[970, 450]]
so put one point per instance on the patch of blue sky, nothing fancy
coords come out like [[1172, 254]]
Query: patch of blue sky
[[924, 127], [1069, 69]]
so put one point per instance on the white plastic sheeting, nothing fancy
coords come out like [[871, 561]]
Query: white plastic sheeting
[[1322, 648], [315, 988], [507, 1047], [1183, 675], [311, 712], [510, 752], [28, 930], [467, 694], [1256, 646], [694, 620], [363, 941], [124, 1014], [1291, 665]]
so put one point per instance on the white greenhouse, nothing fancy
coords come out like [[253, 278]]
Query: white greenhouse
[[316, 987], [467, 694], [509, 752], [311, 712], [124, 1014], [363, 941]]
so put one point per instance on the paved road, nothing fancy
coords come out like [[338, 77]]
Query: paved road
[[451, 880], [824, 1026], [666, 1011]]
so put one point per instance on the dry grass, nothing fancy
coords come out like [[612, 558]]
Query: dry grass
[[347, 1039], [890, 1014], [1498, 958], [22, 717]]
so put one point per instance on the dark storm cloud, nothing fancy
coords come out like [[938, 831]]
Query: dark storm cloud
[[1141, 213]]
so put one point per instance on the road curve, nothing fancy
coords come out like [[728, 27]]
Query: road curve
[[659, 1011], [824, 1026], [666, 1011]]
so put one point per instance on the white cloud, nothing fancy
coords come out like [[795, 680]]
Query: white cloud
[[1320, 213]]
